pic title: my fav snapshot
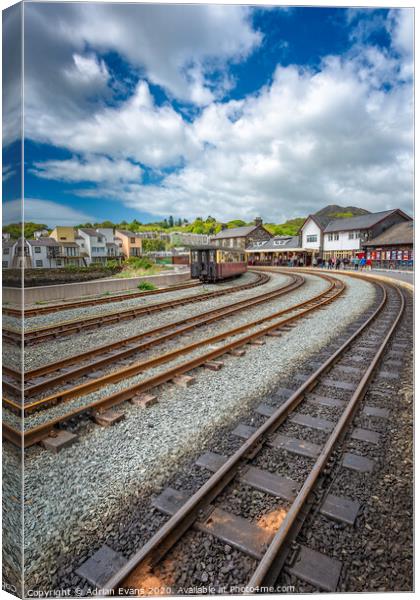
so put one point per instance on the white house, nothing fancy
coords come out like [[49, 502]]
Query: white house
[[312, 232], [45, 253], [343, 238], [112, 243], [8, 253], [92, 245]]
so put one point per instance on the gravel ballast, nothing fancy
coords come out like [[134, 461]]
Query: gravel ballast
[[41, 354], [96, 478]]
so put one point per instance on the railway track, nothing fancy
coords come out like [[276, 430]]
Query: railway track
[[52, 308], [42, 334], [205, 512], [36, 434], [110, 354]]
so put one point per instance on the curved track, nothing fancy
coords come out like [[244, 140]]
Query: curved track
[[121, 350], [296, 312], [52, 308], [200, 510], [42, 334]]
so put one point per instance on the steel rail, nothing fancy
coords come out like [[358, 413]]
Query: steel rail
[[42, 310], [267, 570], [77, 325], [32, 436], [192, 323], [139, 367], [165, 538]]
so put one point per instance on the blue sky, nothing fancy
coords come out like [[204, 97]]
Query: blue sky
[[145, 111]]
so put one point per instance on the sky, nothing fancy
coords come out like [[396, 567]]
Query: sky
[[145, 111]]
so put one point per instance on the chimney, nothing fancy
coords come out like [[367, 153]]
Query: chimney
[[258, 221]]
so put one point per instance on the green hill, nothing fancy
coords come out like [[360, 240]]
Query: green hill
[[341, 212]]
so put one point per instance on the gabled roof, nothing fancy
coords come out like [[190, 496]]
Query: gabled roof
[[127, 233], [234, 232], [90, 231], [321, 220], [401, 233], [44, 242], [361, 221]]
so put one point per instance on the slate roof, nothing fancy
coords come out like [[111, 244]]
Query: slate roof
[[89, 231], [127, 233], [234, 232], [401, 233], [321, 220], [358, 222], [44, 242]]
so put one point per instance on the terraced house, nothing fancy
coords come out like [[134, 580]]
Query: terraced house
[[92, 245], [131, 242]]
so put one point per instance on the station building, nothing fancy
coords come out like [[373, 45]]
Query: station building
[[242, 237], [393, 248], [346, 237], [280, 251]]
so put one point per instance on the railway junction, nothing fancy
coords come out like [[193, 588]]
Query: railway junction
[[245, 435]]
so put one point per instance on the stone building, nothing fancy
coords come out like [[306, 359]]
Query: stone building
[[242, 237]]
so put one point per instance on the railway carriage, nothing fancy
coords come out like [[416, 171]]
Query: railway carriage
[[211, 263]]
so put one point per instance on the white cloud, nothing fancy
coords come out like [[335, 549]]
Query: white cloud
[[12, 75], [7, 172], [87, 72], [98, 169], [309, 139], [339, 134], [44, 211], [138, 129]]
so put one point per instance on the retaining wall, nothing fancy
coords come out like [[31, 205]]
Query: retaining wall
[[66, 291]]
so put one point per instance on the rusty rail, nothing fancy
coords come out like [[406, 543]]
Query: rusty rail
[[32, 436], [166, 537], [42, 310], [77, 325], [176, 328]]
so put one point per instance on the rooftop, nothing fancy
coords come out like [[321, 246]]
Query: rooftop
[[44, 242], [235, 232], [401, 233], [359, 222], [127, 233]]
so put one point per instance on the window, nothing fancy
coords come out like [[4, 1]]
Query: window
[[37, 249], [132, 240], [5, 264], [38, 263], [312, 238], [6, 250], [351, 235], [63, 238], [357, 235], [330, 237], [336, 237], [58, 263]]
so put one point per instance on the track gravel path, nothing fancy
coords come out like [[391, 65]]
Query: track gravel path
[[137, 456]]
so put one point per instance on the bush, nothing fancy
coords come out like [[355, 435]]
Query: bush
[[146, 285], [112, 264], [137, 262]]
